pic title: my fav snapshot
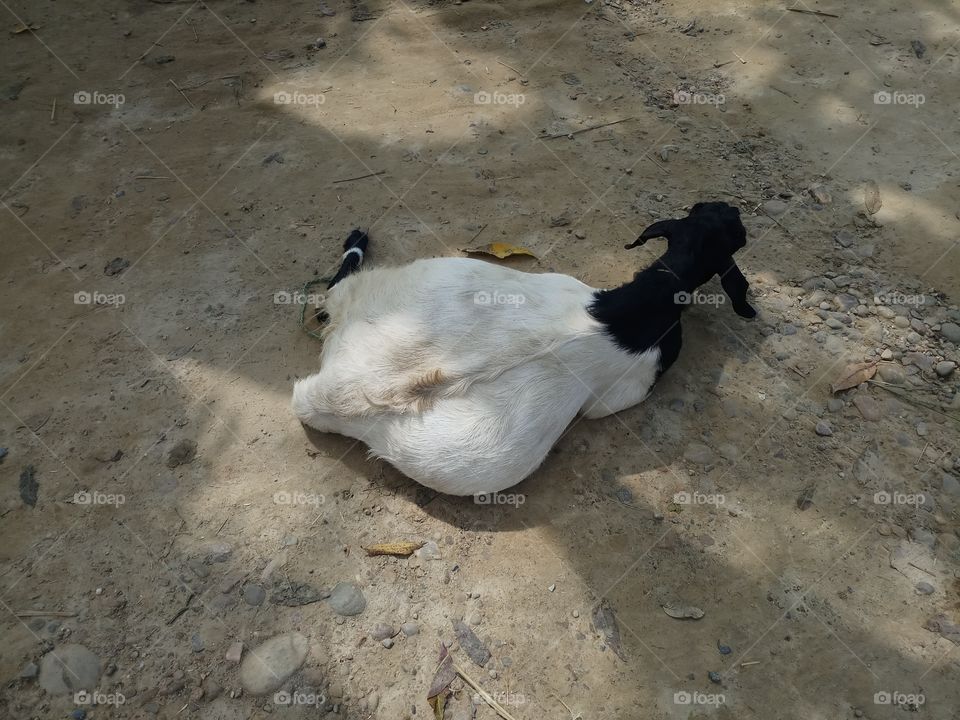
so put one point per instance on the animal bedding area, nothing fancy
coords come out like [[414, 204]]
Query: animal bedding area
[[771, 534]]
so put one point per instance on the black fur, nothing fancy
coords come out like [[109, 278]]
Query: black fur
[[645, 312], [352, 262]]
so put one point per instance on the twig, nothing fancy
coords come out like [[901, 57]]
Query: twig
[[182, 610], [656, 163], [747, 664], [359, 177], [915, 401], [150, 177], [583, 130], [742, 61], [812, 12], [510, 66], [53, 110], [785, 93], [44, 613], [471, 240], [720, 65], [181, 92], [482, 693], [921, 569]]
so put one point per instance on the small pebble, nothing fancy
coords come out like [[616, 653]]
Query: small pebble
[[724, 649], [924, 588], [387, 643], [823, 429], [714, 677]]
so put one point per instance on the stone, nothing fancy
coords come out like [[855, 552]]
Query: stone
[[234, 652], [951, 485], [471, 644], [29, 671], [844, 238], [945, 368], [924, 362], [409, 629], [698, 453], [69, 668], [254, 595], [429, 551], [291, 593], [892, 374], [869, 408], [775, 207], [951, 331], [924, 588], [196, 643], [347, 599], [728, 451], [382, 631], [823, 429], [217, 552], [922, 536], [834, 405], [182, 453], [268, 666]]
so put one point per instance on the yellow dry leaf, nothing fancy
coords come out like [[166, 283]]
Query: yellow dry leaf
[[500, 250], [853, 375], [397, 549]]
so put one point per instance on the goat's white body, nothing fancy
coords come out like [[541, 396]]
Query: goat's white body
[[465, 397]]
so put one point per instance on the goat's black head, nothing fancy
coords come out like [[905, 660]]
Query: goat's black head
[[702, 245]]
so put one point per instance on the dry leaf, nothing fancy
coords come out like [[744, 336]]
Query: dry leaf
[[397, 549], [853, 375], [500, 250], [440, 687], [682, 612], [25, 28], [871, 197]]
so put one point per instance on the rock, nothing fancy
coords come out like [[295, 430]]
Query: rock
[[846, 302], [217, 552], [924, 588], [409, 629], [887, 354], [347, 599], [196, 643], [182, 453], [892, 374], [951, 331], [471, 644], [714, 677], [729, 452], [429, 551], [382, 631], [924, 362], [844, 238], [698, 453], [823, 429], [116, 266], [267, 666], [834, 405], [29, 487], [387, 643], [775, 207], [254, 595], [833, 323], [950, 485], [69, 668], [922, 536], [234, 652], [869, 408], [820, 193], [945, 369], [29, 671]]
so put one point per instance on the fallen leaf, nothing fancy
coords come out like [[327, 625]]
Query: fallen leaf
[[682, 612], [871, 197], [853, 375], [397, 549], [500, 250], [25, 28], [440, 687], [605, 623]]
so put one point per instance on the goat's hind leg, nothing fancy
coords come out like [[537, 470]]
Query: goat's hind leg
[[354, 247]]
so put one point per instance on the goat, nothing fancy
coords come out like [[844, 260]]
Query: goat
[[463, 374]]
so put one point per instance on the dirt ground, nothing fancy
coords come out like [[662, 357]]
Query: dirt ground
[[173, 172]]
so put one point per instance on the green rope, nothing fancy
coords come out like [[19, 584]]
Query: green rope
[[303, 306]]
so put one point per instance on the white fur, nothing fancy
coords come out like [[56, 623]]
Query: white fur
[[463, 396]]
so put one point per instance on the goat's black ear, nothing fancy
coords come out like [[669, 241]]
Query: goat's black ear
[[661, 228], [735, 285]]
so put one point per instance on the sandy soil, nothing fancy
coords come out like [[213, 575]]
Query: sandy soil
[[820, 537]]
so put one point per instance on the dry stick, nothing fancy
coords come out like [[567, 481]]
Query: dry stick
[[150, 177], [812, 12], [583, 130], [483, 693], [53, 110], [510, 66], [45, 613], [360, 177], [470, 241], [655, 162], [915, 401], [742, 61], [752, 662], [784, 92], [181, 92]]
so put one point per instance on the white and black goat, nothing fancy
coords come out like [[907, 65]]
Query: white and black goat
[[463, 374]]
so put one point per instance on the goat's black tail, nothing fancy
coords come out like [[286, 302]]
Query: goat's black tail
[[354, 247]]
